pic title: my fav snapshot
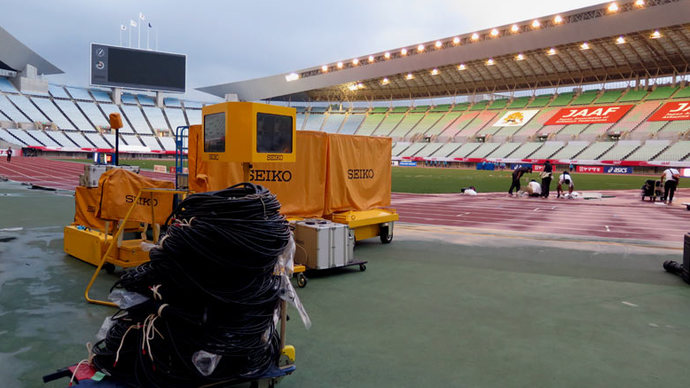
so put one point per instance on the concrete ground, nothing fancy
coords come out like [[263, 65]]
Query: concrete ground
[[440, 306]]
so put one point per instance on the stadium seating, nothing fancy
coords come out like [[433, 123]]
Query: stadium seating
[[412, 149], [504, 150], [55, 116], [10, 112], [549, 148], [562, 99], [193, 116], [609, 97], [370, 123], [112, 108], [429, 150], [6, 86], [673, 129], [79, 93], [155, 118], [352, 123], [633, 95], [333, 122], [445, 150], [540, 101], [425, 125], [634, 117], [97, 140], [648, 150], [101, 96], [483, 150], [499, 104], [399, 147], [60, 137], [443, 123], [479, 122], [79, 139], [519, 103], [570, 150], [314, 121], [683, 93], [526, 150], [621, 150], [595, 150], [387, 125], [70, 109], [586, 98], [27, 108], [406, 124], [676, 152], [661, 93], [464, 150]]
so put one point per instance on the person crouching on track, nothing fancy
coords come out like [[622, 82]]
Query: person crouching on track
[[517, 174], [565, 178], [533, 189], [670, 178], [546, 179]]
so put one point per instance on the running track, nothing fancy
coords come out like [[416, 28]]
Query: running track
[[622, 217]]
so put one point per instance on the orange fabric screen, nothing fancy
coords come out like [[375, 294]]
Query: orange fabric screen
[[299, 186], [120, 187], [359, 173], [86, 203]]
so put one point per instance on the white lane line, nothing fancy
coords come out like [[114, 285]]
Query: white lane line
[[629, 304]]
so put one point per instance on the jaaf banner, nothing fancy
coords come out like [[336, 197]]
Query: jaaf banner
[[672, 111], [589, 115], [589, 169], [515, 118]]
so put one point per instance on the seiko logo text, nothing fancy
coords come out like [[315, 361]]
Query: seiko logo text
[[129, 198], [274, 157], [360, 173], [270, 175], [213, 156]]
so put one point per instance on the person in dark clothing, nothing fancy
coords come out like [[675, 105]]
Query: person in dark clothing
[[546, 176], [517, 174], [9, 154]]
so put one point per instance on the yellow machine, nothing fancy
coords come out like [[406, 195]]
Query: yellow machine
[[248, 132], [369, 223]]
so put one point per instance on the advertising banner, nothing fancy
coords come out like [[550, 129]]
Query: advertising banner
[[515, 118], [359, 173], [589, 169], [618, 170], [589, 115], [672, 111], [407, 163]]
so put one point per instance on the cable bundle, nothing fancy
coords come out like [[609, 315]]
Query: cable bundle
[[212, 292]]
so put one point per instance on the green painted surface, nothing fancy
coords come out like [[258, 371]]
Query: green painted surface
[[450, 180], [434, 310]]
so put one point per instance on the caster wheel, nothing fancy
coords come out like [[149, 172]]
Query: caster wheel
[[109, 268], [386, 233], [362, 267], [301, 281]]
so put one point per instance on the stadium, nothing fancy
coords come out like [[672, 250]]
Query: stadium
[[481, 290]]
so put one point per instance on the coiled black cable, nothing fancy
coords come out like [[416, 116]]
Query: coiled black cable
[[211, 287]]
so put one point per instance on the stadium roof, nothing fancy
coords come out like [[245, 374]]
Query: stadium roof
[[15, 55], [602, 43]]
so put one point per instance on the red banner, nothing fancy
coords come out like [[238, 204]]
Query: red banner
[[589, 115], [590, 169], [672, 111]]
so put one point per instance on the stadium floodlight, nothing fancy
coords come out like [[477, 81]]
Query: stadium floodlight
[[434, 72], [536, 24], [420, 48], [475, 37], [514, 28], [584, 46], [291, 77], [519, 57], [355, 62], [552, 51], [620, 40], [371, 59], [387, 55], [385, 81], [324, 68], [438, 44], [639, 3], [462, 66], [360, 85], [352, 87], [490, 62], [456, 40], [340, 65], [494, 33], [558, 19], [409, 76], [613, 7], [403, 52], [655, 35]]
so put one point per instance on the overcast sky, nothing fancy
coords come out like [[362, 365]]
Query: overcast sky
[[228, 41]]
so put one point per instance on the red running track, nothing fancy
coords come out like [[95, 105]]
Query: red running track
[[52, 173], [624, 216]]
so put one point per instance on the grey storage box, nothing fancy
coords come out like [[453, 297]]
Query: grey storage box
[[323, 244]]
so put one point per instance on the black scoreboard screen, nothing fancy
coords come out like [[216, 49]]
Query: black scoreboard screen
[[137, 69]]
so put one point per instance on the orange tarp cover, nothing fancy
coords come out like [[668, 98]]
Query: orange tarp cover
[[120, 187], [86, 203], [299, 186], [359, 173]]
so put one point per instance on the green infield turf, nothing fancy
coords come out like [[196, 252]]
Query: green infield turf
[[450, 180]]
